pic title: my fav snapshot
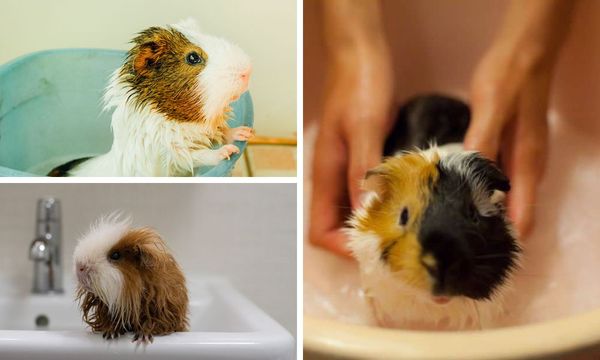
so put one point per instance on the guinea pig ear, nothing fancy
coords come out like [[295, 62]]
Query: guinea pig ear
[[149, 248], [375, 181], [148, 57], [497, 184], [146, 256]]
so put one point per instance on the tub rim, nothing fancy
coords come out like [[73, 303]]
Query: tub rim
[[537, 340]]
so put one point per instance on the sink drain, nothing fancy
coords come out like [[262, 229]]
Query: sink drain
[[42, 321]]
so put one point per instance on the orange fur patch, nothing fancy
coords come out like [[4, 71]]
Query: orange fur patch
[[402, 182]]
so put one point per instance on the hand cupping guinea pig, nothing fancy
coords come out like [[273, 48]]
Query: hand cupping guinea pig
[[128, 281], [433, 243], [171, 100]]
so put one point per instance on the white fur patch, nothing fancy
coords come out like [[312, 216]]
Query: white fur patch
[[399, 305], [92, 251], [145, 143]]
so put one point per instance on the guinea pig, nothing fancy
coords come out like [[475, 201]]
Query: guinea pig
[[433, 243], [171, 100], [128, 281]]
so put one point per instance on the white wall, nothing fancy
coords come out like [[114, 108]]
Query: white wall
[[246, 232], [265, 29]]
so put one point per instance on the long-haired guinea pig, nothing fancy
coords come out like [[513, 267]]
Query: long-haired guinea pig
[[171, 100], [433, 243], [128, 281]]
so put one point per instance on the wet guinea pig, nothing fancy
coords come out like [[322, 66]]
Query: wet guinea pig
[[433, 243], [171, 100], [129, 282]]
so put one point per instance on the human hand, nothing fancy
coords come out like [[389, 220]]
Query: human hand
[[355, 118], [355, 121], [509, 99]]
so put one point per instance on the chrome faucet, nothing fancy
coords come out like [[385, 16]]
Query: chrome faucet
[[46, 247]]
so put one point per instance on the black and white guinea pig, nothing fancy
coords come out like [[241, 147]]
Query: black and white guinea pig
[[433, 243], [171, 100]]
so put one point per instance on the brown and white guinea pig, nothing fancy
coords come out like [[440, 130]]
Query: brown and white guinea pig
[[433, 243], [128, 281], [171, 100]]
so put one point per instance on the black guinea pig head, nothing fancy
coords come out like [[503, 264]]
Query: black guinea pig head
[[467, 244]]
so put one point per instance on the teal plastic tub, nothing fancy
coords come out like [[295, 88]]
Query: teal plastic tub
[[51, 111]]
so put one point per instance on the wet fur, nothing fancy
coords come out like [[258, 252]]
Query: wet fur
[[156, 76], [153, 299], [169, 115], [457, 226]]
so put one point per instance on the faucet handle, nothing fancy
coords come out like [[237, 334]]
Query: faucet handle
[[39, 249]]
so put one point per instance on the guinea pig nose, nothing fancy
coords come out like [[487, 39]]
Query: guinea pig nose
[[441, 300], [245, 75], [82, 268]]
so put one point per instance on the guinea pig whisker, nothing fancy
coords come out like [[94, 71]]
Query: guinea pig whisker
[[483, 277], [349, 209], [483, 266], [493, 256], [537, 275], [475, 234], [479, 326], [535, 206]]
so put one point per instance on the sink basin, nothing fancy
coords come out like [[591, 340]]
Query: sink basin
[[223, 325]]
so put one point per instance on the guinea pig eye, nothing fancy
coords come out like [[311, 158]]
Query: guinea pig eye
[[115, 255], [404, 217], [193, 58]]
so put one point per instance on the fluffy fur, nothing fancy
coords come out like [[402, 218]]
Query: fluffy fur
[[394, 258], [129, 281], [169, 113]]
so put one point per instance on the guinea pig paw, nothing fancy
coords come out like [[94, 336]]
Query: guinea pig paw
[[227, 150], [110, 335], [240, 133], [143, 338]]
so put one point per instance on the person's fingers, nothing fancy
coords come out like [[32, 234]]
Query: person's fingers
[[484, 130], [527, 156], [329, 193], [527, 165], [336, 241], [365, 152], [493, 102]]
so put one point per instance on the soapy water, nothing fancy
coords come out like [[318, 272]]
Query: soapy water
[[561, 256]]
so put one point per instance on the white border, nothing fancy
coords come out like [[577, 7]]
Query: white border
[[300, 179], [150, 180]]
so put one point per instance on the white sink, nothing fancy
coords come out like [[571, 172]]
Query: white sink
[[223, 325]]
